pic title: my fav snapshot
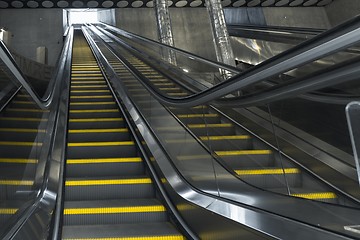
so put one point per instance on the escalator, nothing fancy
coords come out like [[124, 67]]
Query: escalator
[[108, 191], [22, 129], [251, 159]]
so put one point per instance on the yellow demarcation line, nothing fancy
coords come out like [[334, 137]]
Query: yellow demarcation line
[[25, 144], [166, 237], [18, 160], [90, 86], [243, 152], [197, 115], [8, 210], [93, 96], [267, 171], [24, 119], [107, 182], [95, 119], [104, 160], [82, 82], [91, 103], [210, 125], [95, 111], [23, 130], [113, 210], [86, 75], [23, 102], [100, 144], [26, 110], [106, 130], [316, 195], [86, 78], [177, 94], [89, 91], [17, 182], [217, 138]]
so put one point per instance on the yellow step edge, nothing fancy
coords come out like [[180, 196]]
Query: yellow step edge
[[26, 110], [23, 119], [197, 115], [107, 182], [86, 75], [22, 130], [219, 138], [267, 171], [90, 86], [162, 237], [315, 195], [177, 94], [8, 210], [24, 144], [17, 182], [91, 103], [210, 125], [18, 160], [82, 82], [89, 91], [100, 144], [23, 102], [114, 210], [95, 111], [93, 96], [95, 119], [243, 152], [86, 78], [106, 130], [103, 160]]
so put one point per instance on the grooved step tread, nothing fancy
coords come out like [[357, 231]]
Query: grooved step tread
[[138, 231]]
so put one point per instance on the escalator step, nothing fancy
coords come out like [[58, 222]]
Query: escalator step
[[14, 189], [104, 167], [113, 211], [102, 189], [15, 122], [138, 231], [96, 123], [111, 134]]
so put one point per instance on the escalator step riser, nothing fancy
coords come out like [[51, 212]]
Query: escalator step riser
[[99, 136], [199, 120], [249, 161], [110, 113], [214, 131], [93, 106], [228, 145], [97, 124], [93, 99], [18, 171], [19, 151], [20, 136], [14, 192], [273, 181], [31, 124], [116, 218], [105, 169], [24, 105], [104, 192], [22, 114], [102, 152], [90, 92]]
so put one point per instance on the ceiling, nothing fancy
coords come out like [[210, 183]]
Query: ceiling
[[149, 3]]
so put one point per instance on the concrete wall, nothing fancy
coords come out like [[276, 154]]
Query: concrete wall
[[32, 28], [107, 16], [341, 10], [308, 17], [191, 27]]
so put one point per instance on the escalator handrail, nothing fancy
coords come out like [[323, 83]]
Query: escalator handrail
[[307, 84], [42, 102]]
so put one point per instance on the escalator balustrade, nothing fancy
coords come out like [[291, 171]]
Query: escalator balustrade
[[108, 193], [250, 159], [22, 129]]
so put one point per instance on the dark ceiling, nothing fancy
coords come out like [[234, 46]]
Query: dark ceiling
[[149, 3]]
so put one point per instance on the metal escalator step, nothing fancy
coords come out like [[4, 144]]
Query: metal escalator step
[[15, 122], [91, 97], [227, 142], [14, 189], [96, 123], [100, 135], [105, 188], [105, 167], [114, 211], [87, 83], [90, 91], [89, 86], [91, 113], [212, 129], [271, 177], [138, 231]]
